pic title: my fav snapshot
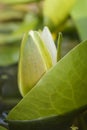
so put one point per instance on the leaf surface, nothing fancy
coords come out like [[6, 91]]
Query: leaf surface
[[61, 90]]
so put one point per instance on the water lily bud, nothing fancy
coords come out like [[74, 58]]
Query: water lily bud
[[37, 55], [48, 41]]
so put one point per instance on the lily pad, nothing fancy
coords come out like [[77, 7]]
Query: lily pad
[[61, 90]]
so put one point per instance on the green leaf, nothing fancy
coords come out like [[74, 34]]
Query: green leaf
[[57, 10], [61, 90], [2, 128], [59, 44], [9, 54], [58, 122], [79, 16]]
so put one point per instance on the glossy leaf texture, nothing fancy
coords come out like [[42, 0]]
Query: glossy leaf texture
[[79, 16], [61, 90], [57, 10]]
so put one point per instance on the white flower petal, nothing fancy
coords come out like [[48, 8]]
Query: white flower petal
[[48, 41]]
